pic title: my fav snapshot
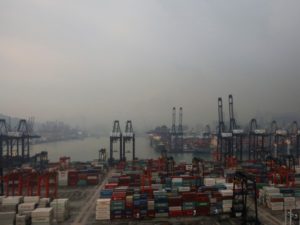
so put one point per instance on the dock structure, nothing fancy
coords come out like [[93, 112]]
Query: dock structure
[[15, 145], [128, 137], [115, 137], [176, 132]]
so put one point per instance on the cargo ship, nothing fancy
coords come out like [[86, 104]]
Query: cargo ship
[[191, 143], [197, 144]]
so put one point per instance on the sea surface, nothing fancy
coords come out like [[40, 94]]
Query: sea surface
[[88, 149]]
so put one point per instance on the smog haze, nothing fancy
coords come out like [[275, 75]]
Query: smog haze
[[91, 62]]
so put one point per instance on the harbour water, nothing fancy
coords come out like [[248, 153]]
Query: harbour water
[[87, 149]]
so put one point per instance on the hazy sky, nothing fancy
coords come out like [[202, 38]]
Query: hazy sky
[[96, 61]]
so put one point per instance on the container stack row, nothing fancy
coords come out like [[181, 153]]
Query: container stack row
[[26, 210]]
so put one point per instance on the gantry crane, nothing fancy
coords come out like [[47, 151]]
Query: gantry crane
[[257, 142], [295, 140], [173, 132], [244, 186], [238, 134], [115, 136], [128, 137]]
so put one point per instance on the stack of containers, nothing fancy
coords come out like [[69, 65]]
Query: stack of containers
[[151, 208], [26, 208], [161, 204], [155, 178], [157, 186], [229, 174], [176, 183], [216, 203], [1, 198], [289, 203], [149, 191], [124, 180], [129, 206], [136, 205], [273, 197], [226, 200], [118, 204], [188, 181], [297, 176], [60, 209], [63, 178], [32, 199], [72, 178], [143, 205], [140, 205], [297, 198], [175, 206], [42, 216], [44, 202], [168, 183], [287, 192], [202, 205], [82, 178], [256, 169], [111, 186], [229, 186], [92, 177], [103, 209], [289, 200], [209, 181], [220, 180], [115, 175], [22, 219], [9, 204], [106, 193], [188, 203], [182, 189], [7, 218]]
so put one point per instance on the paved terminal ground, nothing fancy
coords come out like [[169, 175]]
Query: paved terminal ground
[[83, 202]]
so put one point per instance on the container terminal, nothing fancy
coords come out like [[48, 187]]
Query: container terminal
[[252, 177]]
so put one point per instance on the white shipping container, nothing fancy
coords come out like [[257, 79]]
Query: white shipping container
[[12, 200], [92, 177], [26, 207], [209, 181], [220, 180], [189, 167], [63, 178], [21, 219], [175, 208], [42, 215], [7, 217], [31, 199], [177, 180], [184, 189], [103, 209], [226, 193]]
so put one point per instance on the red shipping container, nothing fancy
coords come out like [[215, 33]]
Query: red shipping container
[[188, 212], [72, 177], [118, 196], [175, 213], [93, 182], [151, 213], [82, 176], [110, 185], [203, 211], [175, 201], [202, 199]]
